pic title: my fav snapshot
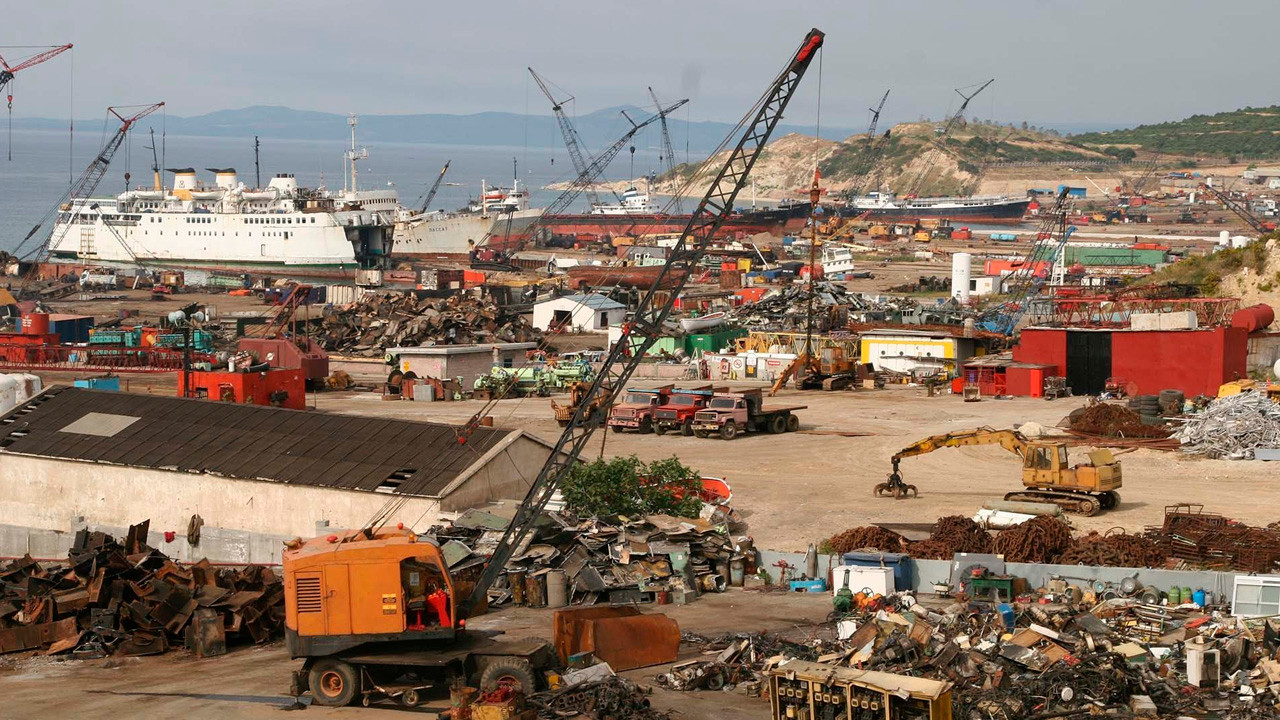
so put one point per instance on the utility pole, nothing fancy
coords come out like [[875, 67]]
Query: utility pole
[[257, 169]]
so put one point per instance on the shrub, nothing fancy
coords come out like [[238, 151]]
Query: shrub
[[627, 486]]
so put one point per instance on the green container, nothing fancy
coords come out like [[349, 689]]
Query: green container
[[1175, 596]]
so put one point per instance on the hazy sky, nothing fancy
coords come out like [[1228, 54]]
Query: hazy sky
[[1082, 62]]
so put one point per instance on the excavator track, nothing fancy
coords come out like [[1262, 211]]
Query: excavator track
[[1079, 503]]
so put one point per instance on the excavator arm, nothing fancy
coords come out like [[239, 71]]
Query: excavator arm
[[1011, 440]]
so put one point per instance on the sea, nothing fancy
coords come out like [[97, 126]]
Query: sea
[[44, 164]]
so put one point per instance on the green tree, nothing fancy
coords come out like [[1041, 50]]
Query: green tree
[[627, 486]]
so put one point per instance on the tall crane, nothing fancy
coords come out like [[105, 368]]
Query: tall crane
[[7, 72], [572, 141], [584, 180], [931, 158], [1239, 209], [668, 149], [87, 183], [645, 326], [435, 187], [870, 148], [1025, 282]]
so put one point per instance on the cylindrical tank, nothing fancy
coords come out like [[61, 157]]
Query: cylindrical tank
[[557, 589], [35, 324], [961, 266], [1254, 317], [1224, 238], [1175, 595]]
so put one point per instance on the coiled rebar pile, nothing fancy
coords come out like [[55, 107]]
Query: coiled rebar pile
[[1038, 540]]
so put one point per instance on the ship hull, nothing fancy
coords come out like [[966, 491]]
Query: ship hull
[[615, 225], [453, 237], [1005, 213]]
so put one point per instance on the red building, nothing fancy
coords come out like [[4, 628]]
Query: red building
[[1193, 361]]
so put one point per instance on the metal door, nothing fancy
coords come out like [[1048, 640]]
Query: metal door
[[1088, 362]]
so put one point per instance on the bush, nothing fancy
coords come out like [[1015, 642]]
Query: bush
[[627, 486]]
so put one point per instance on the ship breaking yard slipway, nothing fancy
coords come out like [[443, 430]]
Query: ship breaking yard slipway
[[857, 455]]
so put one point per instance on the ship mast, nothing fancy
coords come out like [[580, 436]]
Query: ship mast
[[353, 155]]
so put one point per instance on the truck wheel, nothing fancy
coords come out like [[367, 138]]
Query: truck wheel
[[616, 428], [793, 423], [659, 430], [729, 430], [701, 433], [777, 424], [687, 428], [646, 426], [512, 671], [333, 682]]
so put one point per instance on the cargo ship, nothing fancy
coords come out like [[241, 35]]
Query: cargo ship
[[637, 214], [974, 209], [501, 216]]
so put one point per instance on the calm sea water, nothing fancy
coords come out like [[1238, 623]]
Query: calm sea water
[[43, 162]]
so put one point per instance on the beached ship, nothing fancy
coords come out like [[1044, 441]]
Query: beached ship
[[973, 209], [500, 217]]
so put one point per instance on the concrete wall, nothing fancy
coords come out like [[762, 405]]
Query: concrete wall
[[506, 475], [244, 519]]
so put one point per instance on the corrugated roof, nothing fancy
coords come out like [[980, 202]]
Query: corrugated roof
[[246, 441], [595, 301]]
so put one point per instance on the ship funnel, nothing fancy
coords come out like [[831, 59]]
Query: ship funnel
[[285, 183], [224, 178], [183, 178]]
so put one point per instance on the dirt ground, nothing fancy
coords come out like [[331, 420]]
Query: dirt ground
[[801, 488], [252, 682]]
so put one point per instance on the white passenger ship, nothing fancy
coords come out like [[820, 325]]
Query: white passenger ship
[[499, 215], [228, 226]]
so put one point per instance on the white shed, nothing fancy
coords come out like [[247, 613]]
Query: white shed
[[591, 313]]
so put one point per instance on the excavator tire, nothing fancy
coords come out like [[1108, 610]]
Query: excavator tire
[[333, 682]]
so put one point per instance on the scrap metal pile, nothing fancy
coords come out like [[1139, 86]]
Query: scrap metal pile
[[1115, 658], [612, 697], [1114, 421], [1233, 427], [126, 599], [1213, 541], [402, 319], [622, 560], [784, 310]]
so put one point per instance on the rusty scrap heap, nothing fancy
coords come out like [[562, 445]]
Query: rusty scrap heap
[[1116, 658], [402, 319], [616, 561], [113, 598], [1115, 421]]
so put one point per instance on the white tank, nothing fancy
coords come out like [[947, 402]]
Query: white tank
[[1275, 369], [1224, 238], [961, 266], [17, 388]]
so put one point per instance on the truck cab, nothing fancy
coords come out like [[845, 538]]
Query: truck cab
[[636, 410], [678, 412]]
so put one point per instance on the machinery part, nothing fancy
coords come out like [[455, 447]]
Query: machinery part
[[572, 141], [931, 158], [512, 672], [667, 147], [1110, 500], [646, 426], [435, 187], [729, 430], [410, 698], [686, 428], [896, 487], [777, 424], [793, 423], [1078, 503], [650, 314], [333, 682]]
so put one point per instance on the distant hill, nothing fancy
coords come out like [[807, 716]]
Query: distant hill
[[1251, 133], [598, 129]]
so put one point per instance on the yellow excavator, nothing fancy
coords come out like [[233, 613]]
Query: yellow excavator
[[1047, 476]]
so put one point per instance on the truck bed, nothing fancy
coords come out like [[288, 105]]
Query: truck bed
[[782, 408], [472, 643]]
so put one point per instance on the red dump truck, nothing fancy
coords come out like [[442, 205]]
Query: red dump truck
[[683, 404], [728, 414], [635, 412]]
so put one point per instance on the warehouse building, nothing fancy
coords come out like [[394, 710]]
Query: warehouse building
[[915, 352], [592, 313], [246, 477]]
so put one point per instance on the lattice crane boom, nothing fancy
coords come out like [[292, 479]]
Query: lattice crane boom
[[435, 187], [7, 71], [932, 157], [652, 311], [580, 158], [668, 149], [87, 183]]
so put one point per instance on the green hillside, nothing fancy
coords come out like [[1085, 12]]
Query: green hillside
[[1250, 133]]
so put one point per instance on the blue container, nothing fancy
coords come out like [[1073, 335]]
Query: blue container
[[103, 383], [788, 241], [818, 585], [900, 562], [1007, 615], [1197, 597]]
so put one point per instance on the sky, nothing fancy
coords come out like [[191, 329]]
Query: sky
[[1075, 65]]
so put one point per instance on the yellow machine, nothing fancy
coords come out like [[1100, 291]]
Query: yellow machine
[[577, 390], [829, 369], [1235, 387], [1047, 476]]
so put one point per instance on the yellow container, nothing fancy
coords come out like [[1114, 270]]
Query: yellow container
[[744, 264]]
